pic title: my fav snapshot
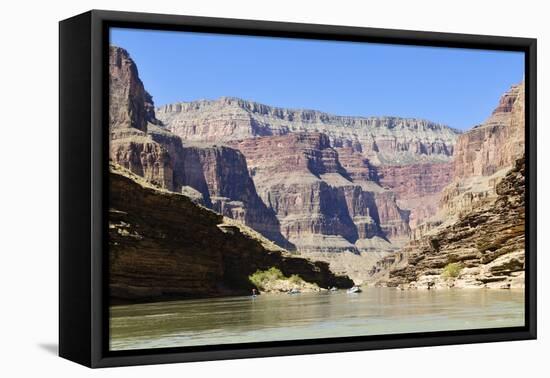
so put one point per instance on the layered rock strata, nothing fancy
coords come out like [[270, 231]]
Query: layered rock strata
[[162, 245], [366, 146], [348, 190], [221, 174], [384, 140], [480, 223], [485, 153], [215, 176], [300, 177], [418, 187], [488, 244], [498, 142], [130, 108], [322, 210]]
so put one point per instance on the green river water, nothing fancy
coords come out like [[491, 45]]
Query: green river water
[[276, 317]]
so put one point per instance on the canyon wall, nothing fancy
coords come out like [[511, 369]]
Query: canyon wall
[[221, 173], [364, 146], [130, 105], [215, 176], [164, 246], [384, 140], [326, 212], [319, 206], [336, 184], [129, 113], [485, 153], [417, 186], [488, 243], [496, 143], [350, 191], [480, 220]]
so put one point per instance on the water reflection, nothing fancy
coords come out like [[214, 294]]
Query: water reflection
[[287, 317]]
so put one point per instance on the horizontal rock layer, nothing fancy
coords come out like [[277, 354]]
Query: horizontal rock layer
[[164, 246], [484, 154], [418, 187], [364, 147], [322, 211], [384, 140], [498, 142], [488, 243], [216, 176]]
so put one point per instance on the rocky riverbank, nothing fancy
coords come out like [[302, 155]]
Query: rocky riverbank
[[483, 249], [162, 245]]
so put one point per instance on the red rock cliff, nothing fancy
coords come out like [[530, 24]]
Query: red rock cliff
[[320, 207], [498, 142], [384, 140], [485, 153], [141, 144], [129, 113]]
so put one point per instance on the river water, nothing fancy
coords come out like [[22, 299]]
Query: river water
[[276, 317]]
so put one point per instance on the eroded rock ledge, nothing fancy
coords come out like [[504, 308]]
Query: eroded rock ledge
[[165, 246], [488, 244]]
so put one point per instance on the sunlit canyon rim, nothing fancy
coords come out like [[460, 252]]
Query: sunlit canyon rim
[[205, 193]]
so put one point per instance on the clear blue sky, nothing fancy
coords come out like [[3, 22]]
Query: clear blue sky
[[457, 87]]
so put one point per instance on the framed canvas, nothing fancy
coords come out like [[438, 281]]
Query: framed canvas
[[235, 188]]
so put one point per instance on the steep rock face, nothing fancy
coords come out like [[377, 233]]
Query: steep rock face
[[474, 206], [485, 153], [488, 243], [137, 152], [221, 174], [322, 211], [366, 147], [130, 111], [140, 143], [358, 167], [466, 194], [384, 140], [417, 186], [162, 245], [130, 106], [498, 142]]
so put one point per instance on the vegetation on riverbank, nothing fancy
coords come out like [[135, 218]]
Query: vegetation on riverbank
[[452, 270], [273, 280]]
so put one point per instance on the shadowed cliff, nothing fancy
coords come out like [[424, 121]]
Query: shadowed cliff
[[165, 246]]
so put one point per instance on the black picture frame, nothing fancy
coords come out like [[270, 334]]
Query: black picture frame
[[83, 158]]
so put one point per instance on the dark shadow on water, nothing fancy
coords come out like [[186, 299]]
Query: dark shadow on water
[[51, 348]]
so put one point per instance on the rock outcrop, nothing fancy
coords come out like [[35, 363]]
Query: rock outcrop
[[326, 192], [487, 244], [366, 146], [300, 177], [479, 225], [130, 111], [498, 142], [322, 211], [221, 174], [485, 153], [138, 152], [162, 245], [130, 106], [384, 140], [216, 176], [418, 187]]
